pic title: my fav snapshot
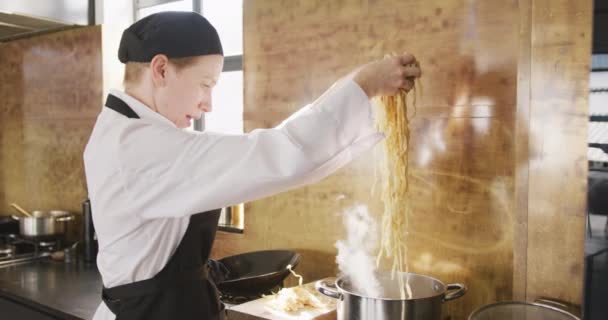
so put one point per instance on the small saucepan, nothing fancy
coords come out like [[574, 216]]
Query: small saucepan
[[44, 223]]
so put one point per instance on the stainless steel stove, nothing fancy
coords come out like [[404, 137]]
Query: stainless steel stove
[[16, 249]]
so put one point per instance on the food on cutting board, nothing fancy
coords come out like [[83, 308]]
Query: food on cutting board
[[297, 298]]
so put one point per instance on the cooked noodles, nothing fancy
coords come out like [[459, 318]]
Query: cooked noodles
[[392, 119]]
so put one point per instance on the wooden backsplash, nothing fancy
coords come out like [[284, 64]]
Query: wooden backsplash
[[499, 140], [50, 95]]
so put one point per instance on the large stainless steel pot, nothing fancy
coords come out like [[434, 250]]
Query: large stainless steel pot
[[425, 304], [44, 223]]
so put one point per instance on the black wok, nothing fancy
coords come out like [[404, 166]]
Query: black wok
[[255, 273]]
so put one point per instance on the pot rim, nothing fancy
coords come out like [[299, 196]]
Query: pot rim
[[514, 302], [24, 218], [441, 294], [50, 213], [57, 215]]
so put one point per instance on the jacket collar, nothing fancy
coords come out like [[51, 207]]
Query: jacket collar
[[143, 111]]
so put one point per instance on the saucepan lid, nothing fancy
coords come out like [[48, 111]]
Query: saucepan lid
[[520, 310]]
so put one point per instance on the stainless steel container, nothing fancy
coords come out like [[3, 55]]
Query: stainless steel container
[[44, 223], [425, 304], [508, 310]]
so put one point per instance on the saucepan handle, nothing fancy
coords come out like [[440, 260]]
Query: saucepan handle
[[327, 287], [460, 290], [65, 218]]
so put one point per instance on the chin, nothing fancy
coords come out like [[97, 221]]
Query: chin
[[181, 125]]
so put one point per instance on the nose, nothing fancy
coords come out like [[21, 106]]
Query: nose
[[206, 105]]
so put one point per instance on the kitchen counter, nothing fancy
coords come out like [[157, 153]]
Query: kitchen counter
[[72, 291], [61, 290]]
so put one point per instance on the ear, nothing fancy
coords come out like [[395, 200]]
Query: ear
[[158, 66]]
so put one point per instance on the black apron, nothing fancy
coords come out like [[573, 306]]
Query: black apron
[[181, 290]]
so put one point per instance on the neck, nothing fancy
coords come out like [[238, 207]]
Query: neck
[[143, 95]]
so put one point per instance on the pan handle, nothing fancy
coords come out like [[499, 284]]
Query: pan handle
[[460, 288], [327, 287], [15, 217]]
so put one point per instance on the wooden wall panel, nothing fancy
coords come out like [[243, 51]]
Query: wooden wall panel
[[50, 97], [560, 64], [520, 239]]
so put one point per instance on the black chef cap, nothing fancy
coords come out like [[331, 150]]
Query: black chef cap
[[174, 34]]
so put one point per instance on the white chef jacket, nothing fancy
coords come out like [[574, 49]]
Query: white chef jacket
[[145, 176]]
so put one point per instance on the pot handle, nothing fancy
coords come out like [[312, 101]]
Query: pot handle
[[460, 288], [15, 217], [66, 218], [327, 287]]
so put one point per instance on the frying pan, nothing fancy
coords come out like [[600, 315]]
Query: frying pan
[[255, 273]]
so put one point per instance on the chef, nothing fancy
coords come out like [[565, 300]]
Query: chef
[[155, 188]]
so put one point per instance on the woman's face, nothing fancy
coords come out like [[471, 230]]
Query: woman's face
[[186, 93]]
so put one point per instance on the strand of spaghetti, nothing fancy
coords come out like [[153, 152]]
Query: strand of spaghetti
[[300, 278]]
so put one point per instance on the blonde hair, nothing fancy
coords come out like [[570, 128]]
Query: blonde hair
[[135, 70]]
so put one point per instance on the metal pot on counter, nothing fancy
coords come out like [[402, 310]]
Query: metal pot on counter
[[43, 223], [428, 294]]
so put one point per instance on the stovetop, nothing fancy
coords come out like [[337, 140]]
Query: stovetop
[[18, 249]]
